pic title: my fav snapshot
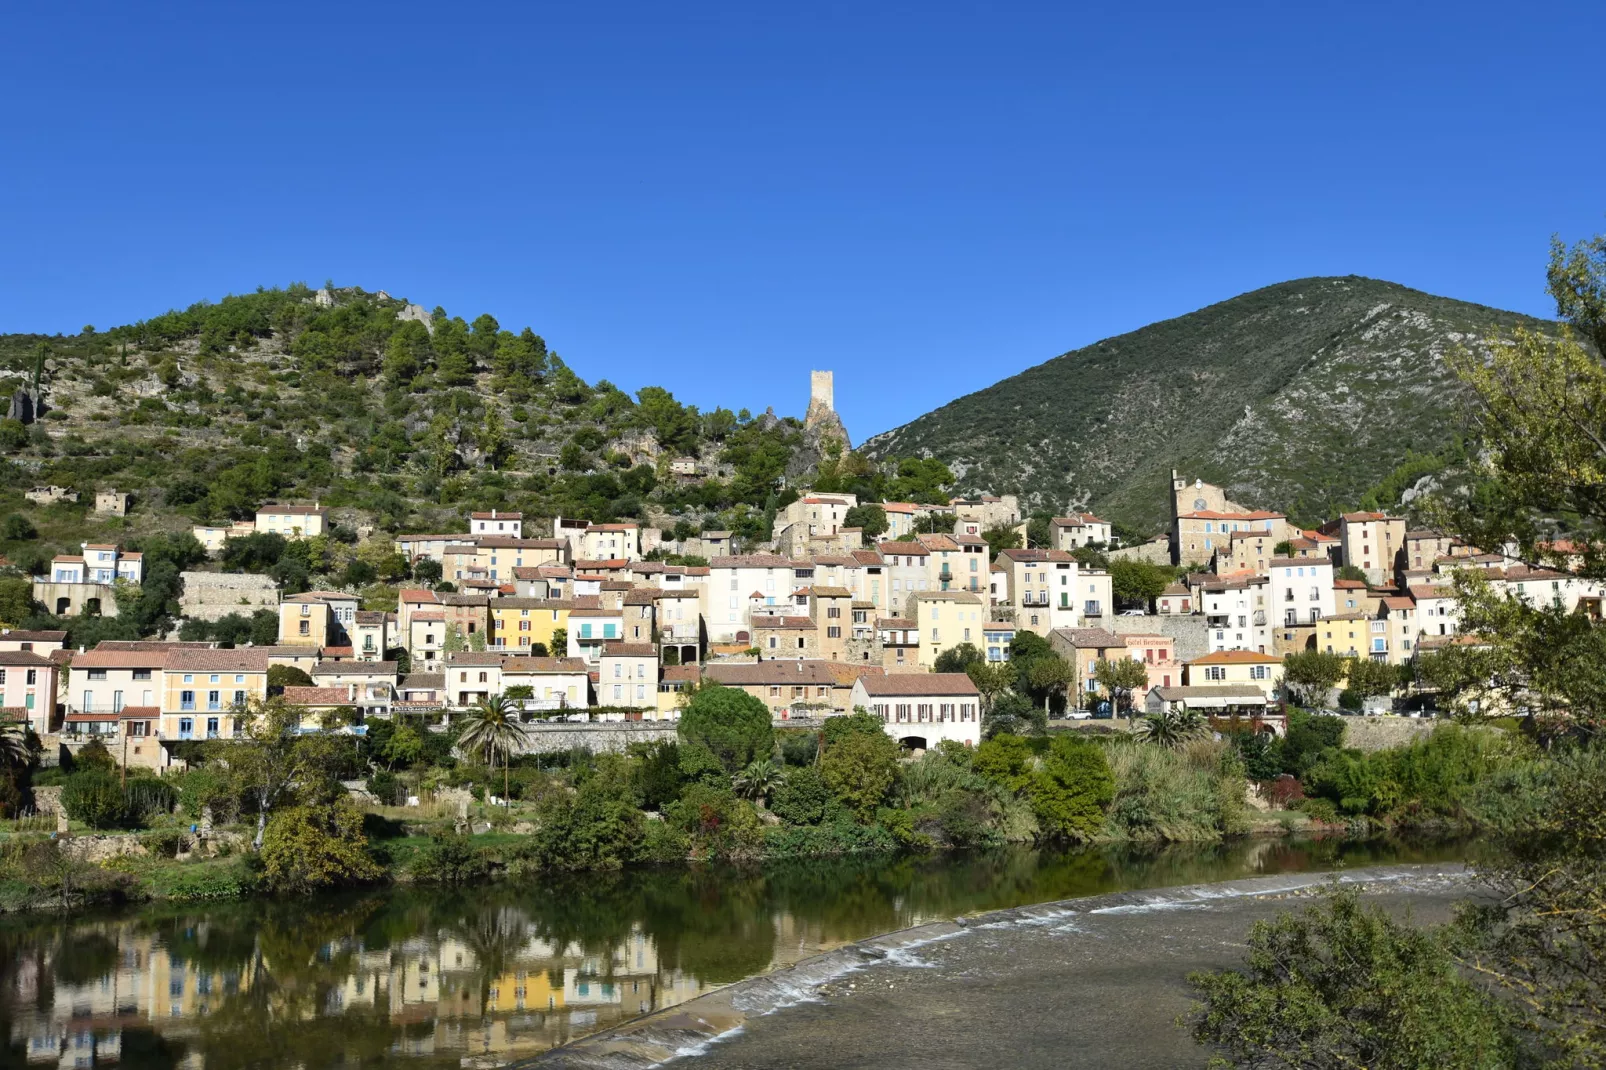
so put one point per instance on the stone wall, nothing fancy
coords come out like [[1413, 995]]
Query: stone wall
[[1156, 551], [1189, 632], [1378, 733], [212, 595], [553, 737]]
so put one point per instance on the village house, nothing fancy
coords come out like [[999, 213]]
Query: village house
[[1244, 668], [1346, 634], [921, 709], [779, 636], [518, 623], [1042, 586], [996, 637], [497, 523], [554, 683], [28, 682], [370, 686], [113, 502], [1084, 648], [1371, 542], [955, 562], [85, 583], [318, 618], [733, 581], [944, 619], [39, 642], [899, 640], [590, 629], [205, 692], [1235, 613], [627, 676], [1078, 530], [1158, 653], [1175, 600], [293, 521], [792, 689]]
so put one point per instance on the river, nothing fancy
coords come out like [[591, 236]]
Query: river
[[423, 978]]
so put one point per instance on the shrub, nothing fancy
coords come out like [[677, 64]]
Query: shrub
[[599, 826], [306, 848], [95, 798], [802, 798], [717, 824], [449, 859], [386, 787], [94, 755], [799, 747], [832, 838], [1193, 792], [1072, 790], [655, 773], [860, 768], [1006, 760]]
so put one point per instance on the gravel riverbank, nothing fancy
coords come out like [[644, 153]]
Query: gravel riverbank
[[1086, 982]]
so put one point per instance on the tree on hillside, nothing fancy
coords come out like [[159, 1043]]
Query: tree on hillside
[[871, 517], [991, 679], [1138, 583], [1352, 573], [1049, 676], [1001, 539]]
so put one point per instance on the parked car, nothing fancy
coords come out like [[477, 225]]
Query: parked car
[[1134, 613]]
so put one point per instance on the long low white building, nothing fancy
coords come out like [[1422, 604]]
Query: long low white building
[[918, 709]]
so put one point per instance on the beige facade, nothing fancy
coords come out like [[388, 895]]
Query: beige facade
[[1371, 542], [628, 676], [293, 521]]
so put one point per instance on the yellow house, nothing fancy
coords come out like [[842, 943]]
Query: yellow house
[[517, 623], [1349, 635], [318, 618], [204, 690], [1238, 667], [946, 619]]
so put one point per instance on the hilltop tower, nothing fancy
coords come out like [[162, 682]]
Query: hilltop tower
[[822, 415]]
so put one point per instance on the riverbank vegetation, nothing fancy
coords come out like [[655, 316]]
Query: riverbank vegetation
[[286, 813]]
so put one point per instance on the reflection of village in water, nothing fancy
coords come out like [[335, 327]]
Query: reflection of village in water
[[442, 998], [417, 977]]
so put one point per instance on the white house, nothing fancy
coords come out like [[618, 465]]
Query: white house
[[918, 709]]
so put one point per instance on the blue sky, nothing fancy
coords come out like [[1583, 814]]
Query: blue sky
[[717, 198]]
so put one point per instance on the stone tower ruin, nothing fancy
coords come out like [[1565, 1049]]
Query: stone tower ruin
[[822, 415]]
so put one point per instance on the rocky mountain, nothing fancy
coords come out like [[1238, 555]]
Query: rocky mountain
[[1311, 396]]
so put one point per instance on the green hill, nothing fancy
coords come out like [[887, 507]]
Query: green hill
[[351, 398], [1310, 396]]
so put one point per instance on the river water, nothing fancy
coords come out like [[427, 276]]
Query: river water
[[425, 978]]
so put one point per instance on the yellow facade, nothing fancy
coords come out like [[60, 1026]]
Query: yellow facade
[[304, 623], [202, 698], [946, 619], [516, 623]]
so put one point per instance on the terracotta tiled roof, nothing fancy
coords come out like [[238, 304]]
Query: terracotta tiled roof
[[915, 684], [25, 659], [629, 650], [354, 668], [750, 561], [1236, 657], [241, 659], [23, 635], [772, 673], [317, 696], [516, 665]]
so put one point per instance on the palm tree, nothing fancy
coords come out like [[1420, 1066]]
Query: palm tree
[[1172, 728], [759, 779], [13, 746], [493, 726]]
